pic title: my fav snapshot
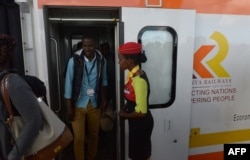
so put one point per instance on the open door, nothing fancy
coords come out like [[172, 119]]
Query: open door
[[167, 37]]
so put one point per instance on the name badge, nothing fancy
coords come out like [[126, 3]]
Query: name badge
[[90, 92]]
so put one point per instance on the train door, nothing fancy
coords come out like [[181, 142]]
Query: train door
[[167, 36]]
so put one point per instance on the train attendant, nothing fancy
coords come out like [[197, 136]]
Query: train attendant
[[136, 92]]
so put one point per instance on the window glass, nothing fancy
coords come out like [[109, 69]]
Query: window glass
[[159, 44]]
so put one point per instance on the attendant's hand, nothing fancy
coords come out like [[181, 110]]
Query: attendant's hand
[[123, 114]]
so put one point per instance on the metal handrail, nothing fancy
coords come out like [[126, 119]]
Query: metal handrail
[[84, 19], [58, 81]]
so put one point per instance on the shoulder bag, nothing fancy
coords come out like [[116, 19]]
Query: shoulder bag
[[107, 119], [53, 136]]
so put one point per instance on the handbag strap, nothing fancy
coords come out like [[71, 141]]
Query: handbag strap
[[5, 95]]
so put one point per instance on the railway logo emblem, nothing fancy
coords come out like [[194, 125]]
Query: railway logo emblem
[[212, 67]]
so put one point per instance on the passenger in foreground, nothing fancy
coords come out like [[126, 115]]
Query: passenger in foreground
[[24, 102]]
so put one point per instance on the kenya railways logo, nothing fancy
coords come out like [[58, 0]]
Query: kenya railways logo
[[212, 67], [211, 82]]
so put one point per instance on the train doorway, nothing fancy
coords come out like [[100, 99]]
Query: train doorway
[[65, 27]]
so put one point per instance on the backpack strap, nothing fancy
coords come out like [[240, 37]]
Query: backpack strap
[[5, 95]]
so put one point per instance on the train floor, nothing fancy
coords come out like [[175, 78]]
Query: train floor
[[106, 148]]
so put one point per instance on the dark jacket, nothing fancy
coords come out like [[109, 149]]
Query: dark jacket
[[79, 65]]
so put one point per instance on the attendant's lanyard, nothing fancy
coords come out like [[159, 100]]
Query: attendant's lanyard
[[91, 69]]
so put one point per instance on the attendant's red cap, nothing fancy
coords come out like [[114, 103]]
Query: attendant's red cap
[[130, 48]]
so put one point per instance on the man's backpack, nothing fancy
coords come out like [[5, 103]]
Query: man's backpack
[[38, 87]]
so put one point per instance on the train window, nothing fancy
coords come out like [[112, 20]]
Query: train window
[[160, 46]]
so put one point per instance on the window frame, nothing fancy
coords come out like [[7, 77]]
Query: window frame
[[172, 32]]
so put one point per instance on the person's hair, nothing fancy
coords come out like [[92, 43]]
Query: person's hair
[[138, 58], [105, 44], [89, 36], [79, 45]]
